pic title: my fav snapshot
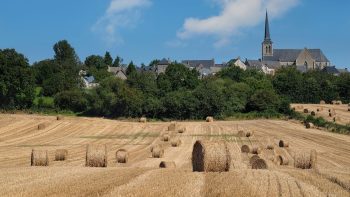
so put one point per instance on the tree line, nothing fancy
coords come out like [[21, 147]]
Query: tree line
[[55, 84]]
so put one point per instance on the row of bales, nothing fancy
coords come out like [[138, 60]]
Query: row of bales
[[207, 156], [214, 156], [96, 156]]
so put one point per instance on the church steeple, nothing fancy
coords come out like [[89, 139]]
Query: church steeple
[[267, 28], [267, 47]]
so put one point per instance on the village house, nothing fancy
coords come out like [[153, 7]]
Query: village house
[[119, 72]]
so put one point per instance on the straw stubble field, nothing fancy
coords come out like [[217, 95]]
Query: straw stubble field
[[141, 175]]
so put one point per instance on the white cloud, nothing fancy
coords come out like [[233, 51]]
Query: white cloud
[[120, 14], [235, 15]]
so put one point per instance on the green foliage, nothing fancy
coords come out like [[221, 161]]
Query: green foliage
[[131, 69], [176, 94], [16, 81], [343, 85], [71, 100], [96, 61], [108, 60], [64, 53], [117, 62]]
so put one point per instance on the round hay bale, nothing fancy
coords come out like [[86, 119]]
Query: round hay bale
[[122, 156], [309, 125], [282, 160], [172, 127], [167, 164], [318, 110], [209, 119], [322, 102], [253, 159], [157, 152], [330, 114], [339, 102], [166, 137], [152, 147], [313, 113], [41, 126], [39, 158], [270, 147], [306, 160], [183, 130], [334, 102], [61, 155], [259, 164], [249, 133], [349, 109], [256, 150], [211, 156], [59, 118], [313, 159], [283, 144], [241, 133], [175, 142], [246, 149], [306, 111], [96, 156], [143, 120], [293, 108]]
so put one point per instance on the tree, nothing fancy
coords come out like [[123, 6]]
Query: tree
[[118, 62], [343, 86], [131, 69], [211, 100], [288, 82], [264, 100], [44, 70], [108, 60], [16, 81], [181, 77], [64, 52], [96, 61], [234, 73], [71, 100], [68, 66]]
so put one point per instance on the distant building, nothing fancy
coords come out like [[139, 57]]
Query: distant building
[[237, 62], [119, 72], [204, 67], [304, 59], [331, 70], [162, 66], [89, 82]]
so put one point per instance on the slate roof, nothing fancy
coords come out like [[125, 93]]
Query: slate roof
[[259, 64], [164, 62], [116, 69], [90, 79], [290, 55], [196, 63], [330, 70]]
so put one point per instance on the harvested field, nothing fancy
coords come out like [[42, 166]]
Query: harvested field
[[328, 112], [141, 175]]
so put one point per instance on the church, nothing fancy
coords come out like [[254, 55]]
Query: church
[[272, 59]]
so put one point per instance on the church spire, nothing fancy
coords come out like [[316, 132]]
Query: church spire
[[267, 45], [267, 28]]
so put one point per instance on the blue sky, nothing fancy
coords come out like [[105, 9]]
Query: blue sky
[[142, 30]]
